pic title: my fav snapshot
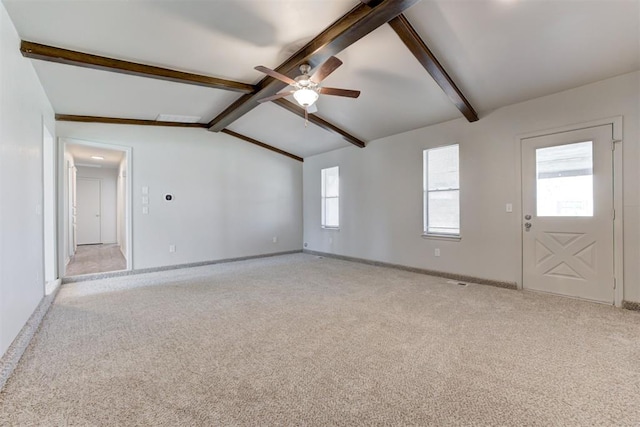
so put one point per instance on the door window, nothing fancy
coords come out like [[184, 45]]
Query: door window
[[564, 180]]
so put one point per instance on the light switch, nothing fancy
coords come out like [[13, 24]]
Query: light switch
[[145, 190], [145, 200], [145, 210], [509, 207]]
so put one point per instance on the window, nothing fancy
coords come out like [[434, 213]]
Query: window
[[330, 197], [564, 180], [441, 191]]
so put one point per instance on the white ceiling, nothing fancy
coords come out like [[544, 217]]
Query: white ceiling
[[498, 51], [82, 155]]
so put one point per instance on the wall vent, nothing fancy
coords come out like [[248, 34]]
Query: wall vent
[[176, 118], [455, 282]]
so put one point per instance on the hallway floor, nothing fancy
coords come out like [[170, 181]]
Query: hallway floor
[[91, 259]]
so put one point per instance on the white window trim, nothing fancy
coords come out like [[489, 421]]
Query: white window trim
[[434, 236], [425, 208]]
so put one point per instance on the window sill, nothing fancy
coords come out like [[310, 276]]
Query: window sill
[[442, 237], [330, 228]]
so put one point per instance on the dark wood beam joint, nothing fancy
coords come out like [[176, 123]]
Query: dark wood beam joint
[[344, 32], [85, 60], [371, 3], [318, 121], [423, 54]]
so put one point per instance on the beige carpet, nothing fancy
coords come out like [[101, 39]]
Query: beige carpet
[[301, 340], [90, 259]]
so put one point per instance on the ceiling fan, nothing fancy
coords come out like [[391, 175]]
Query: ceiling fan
[[306, 88]]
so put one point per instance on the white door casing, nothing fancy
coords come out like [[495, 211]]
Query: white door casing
[[568, 246], [49, 204], [88, 211]]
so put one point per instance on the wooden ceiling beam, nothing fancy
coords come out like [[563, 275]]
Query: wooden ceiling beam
[[357, 23], [423, 54], [119, 121], [85, 60], [318, 121], [262, 144], [64, 56]]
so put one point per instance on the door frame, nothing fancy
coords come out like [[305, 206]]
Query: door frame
[[62, 146], [616, 123], [49, 212]]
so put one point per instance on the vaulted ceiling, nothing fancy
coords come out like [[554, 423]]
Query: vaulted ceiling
[[497, 52]]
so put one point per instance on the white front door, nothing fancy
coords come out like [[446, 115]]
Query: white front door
[[567, 192], [88, 211]]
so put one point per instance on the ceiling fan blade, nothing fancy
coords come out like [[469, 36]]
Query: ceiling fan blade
[[340, 92], [276, 96], [328, 67], [276, 75]]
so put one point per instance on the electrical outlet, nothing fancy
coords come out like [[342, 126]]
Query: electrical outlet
[[275, 239], [172, 248], [437, 252], [509, 207]]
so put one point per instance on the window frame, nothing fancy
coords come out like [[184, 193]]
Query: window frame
[[323, 198], [425, 196]]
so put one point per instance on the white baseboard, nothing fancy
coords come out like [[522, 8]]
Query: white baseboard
[[11, 357]]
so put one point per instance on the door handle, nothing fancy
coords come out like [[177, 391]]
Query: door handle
[[527, 217], [527, 226]]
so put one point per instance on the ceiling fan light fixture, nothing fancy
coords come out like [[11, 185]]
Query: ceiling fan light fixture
[[305, 96]]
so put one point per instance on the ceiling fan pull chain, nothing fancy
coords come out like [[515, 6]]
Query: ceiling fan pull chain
[[306, 116]]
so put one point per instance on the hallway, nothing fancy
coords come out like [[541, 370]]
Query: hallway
[[91, 259]]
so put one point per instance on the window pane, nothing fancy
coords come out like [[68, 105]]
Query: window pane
[[442, 195], [330, 193], [332, 212], [444, 212], [331, 182], [442, 166], [565, 180]]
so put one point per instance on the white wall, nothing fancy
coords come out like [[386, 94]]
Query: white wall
[[230, 197], [381, 187], [23, 108], [108, 199], [122, 206]]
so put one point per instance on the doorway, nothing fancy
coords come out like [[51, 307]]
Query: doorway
[[88, 208], [568, 209], [96, 222]]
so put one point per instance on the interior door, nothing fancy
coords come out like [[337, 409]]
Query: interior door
[[88, 211], [567, 181]]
